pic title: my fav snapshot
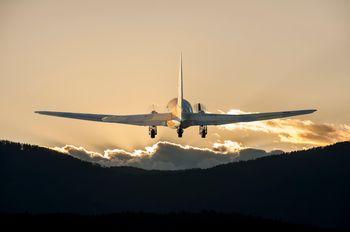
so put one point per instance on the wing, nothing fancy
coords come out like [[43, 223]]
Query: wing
[[138, 119], [220, 119]]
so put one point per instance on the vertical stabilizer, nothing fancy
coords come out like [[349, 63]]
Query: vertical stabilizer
[[180, 91]]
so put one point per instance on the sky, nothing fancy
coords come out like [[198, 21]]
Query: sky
[[120, 57]]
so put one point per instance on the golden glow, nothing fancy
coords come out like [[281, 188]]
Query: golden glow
[[161, 156], [218, 148], [295, 131], [120, 57]]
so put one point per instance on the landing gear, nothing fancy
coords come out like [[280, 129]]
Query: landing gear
[[203, 131], [152, 131], [180, 131]]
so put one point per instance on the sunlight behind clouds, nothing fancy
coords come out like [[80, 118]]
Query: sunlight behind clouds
[[222, 148], [166, 155], [295, 131], [229, 143]]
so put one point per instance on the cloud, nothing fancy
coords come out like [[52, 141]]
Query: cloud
[[227, 147], [295, 131], [222, 147], [167, 156]]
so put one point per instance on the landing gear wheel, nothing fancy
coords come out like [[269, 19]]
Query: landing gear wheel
[[153, 134], [180, 131], [203, 131], [152, 131]]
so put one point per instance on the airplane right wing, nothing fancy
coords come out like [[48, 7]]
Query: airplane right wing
[[220, 119]]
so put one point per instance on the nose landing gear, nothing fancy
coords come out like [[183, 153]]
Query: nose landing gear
[[203, 131], [152, 131], [180, 131]]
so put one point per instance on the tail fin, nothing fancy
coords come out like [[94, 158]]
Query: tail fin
[[180, 90]]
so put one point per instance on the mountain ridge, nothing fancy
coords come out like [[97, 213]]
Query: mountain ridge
[[307, 187]]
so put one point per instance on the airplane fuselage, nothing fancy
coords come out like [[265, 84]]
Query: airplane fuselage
[[176, 121]]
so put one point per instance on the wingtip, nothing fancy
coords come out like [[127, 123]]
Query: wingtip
[[310, 111], [40, 112]]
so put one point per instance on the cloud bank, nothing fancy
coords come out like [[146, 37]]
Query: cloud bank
[[168, 156], [223, 149], [294, 131]]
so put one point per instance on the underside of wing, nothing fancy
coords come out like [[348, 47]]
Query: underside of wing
[[138, 119], [220, 119]]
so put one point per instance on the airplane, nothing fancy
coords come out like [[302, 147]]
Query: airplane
[[180, 115]]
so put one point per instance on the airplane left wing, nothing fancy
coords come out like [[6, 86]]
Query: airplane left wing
[[220, 119], [153, 119]]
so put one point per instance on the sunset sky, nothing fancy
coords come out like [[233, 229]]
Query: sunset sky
[[120, 57]]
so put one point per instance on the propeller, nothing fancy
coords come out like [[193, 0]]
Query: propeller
[[154, 108], [199, 108]]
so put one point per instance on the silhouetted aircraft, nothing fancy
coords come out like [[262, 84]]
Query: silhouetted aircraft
[[181, 115]]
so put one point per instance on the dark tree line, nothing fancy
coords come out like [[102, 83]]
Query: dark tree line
[[306, 187]]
